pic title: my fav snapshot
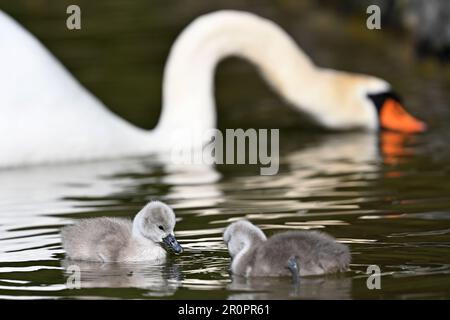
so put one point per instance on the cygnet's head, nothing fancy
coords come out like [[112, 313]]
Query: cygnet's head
[[241, 234], [156, 221]]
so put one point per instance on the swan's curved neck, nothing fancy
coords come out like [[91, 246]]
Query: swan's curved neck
[[251, 240], [188, 94]]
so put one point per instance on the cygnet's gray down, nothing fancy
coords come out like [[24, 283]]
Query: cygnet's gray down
[[296, 253], [122, 240]]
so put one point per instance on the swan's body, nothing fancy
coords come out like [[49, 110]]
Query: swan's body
[[47, 116], [301, 252], [121, 240]]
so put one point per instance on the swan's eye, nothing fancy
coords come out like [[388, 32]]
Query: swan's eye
[[161, 228]]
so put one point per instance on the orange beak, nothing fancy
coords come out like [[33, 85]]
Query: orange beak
[[394, 117]]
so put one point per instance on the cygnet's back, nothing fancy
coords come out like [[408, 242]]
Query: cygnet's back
[[315, 253], [99, 239]]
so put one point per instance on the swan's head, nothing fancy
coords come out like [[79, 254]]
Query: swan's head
[[392, 115], [156, 222], [345, 100], [240, 235]]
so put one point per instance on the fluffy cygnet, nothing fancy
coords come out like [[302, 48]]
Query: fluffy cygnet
[[297, 253], [122, 240]]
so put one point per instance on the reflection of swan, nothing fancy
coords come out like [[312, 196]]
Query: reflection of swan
[[337, 169], [330, 287], [321, 165], [161, 280], [49, 117]]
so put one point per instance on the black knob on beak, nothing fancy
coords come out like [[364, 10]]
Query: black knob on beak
[[172, 243]]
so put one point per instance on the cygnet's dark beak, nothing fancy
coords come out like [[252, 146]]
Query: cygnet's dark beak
[[171, 242]]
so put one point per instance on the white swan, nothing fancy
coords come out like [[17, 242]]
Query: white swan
[[47, 116]]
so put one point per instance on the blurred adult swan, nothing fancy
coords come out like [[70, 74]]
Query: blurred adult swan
[[47, 116]]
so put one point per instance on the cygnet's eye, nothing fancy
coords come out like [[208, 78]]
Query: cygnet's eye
[[161, 228]]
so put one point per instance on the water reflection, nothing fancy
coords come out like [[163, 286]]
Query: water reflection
[[331, 287], [329, 183], [309, 178], [159, 280], [394, 147]]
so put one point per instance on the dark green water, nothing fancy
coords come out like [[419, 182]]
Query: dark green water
[[387, 197]]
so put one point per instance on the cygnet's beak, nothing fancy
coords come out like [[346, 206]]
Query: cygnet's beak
[[171, 242]]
